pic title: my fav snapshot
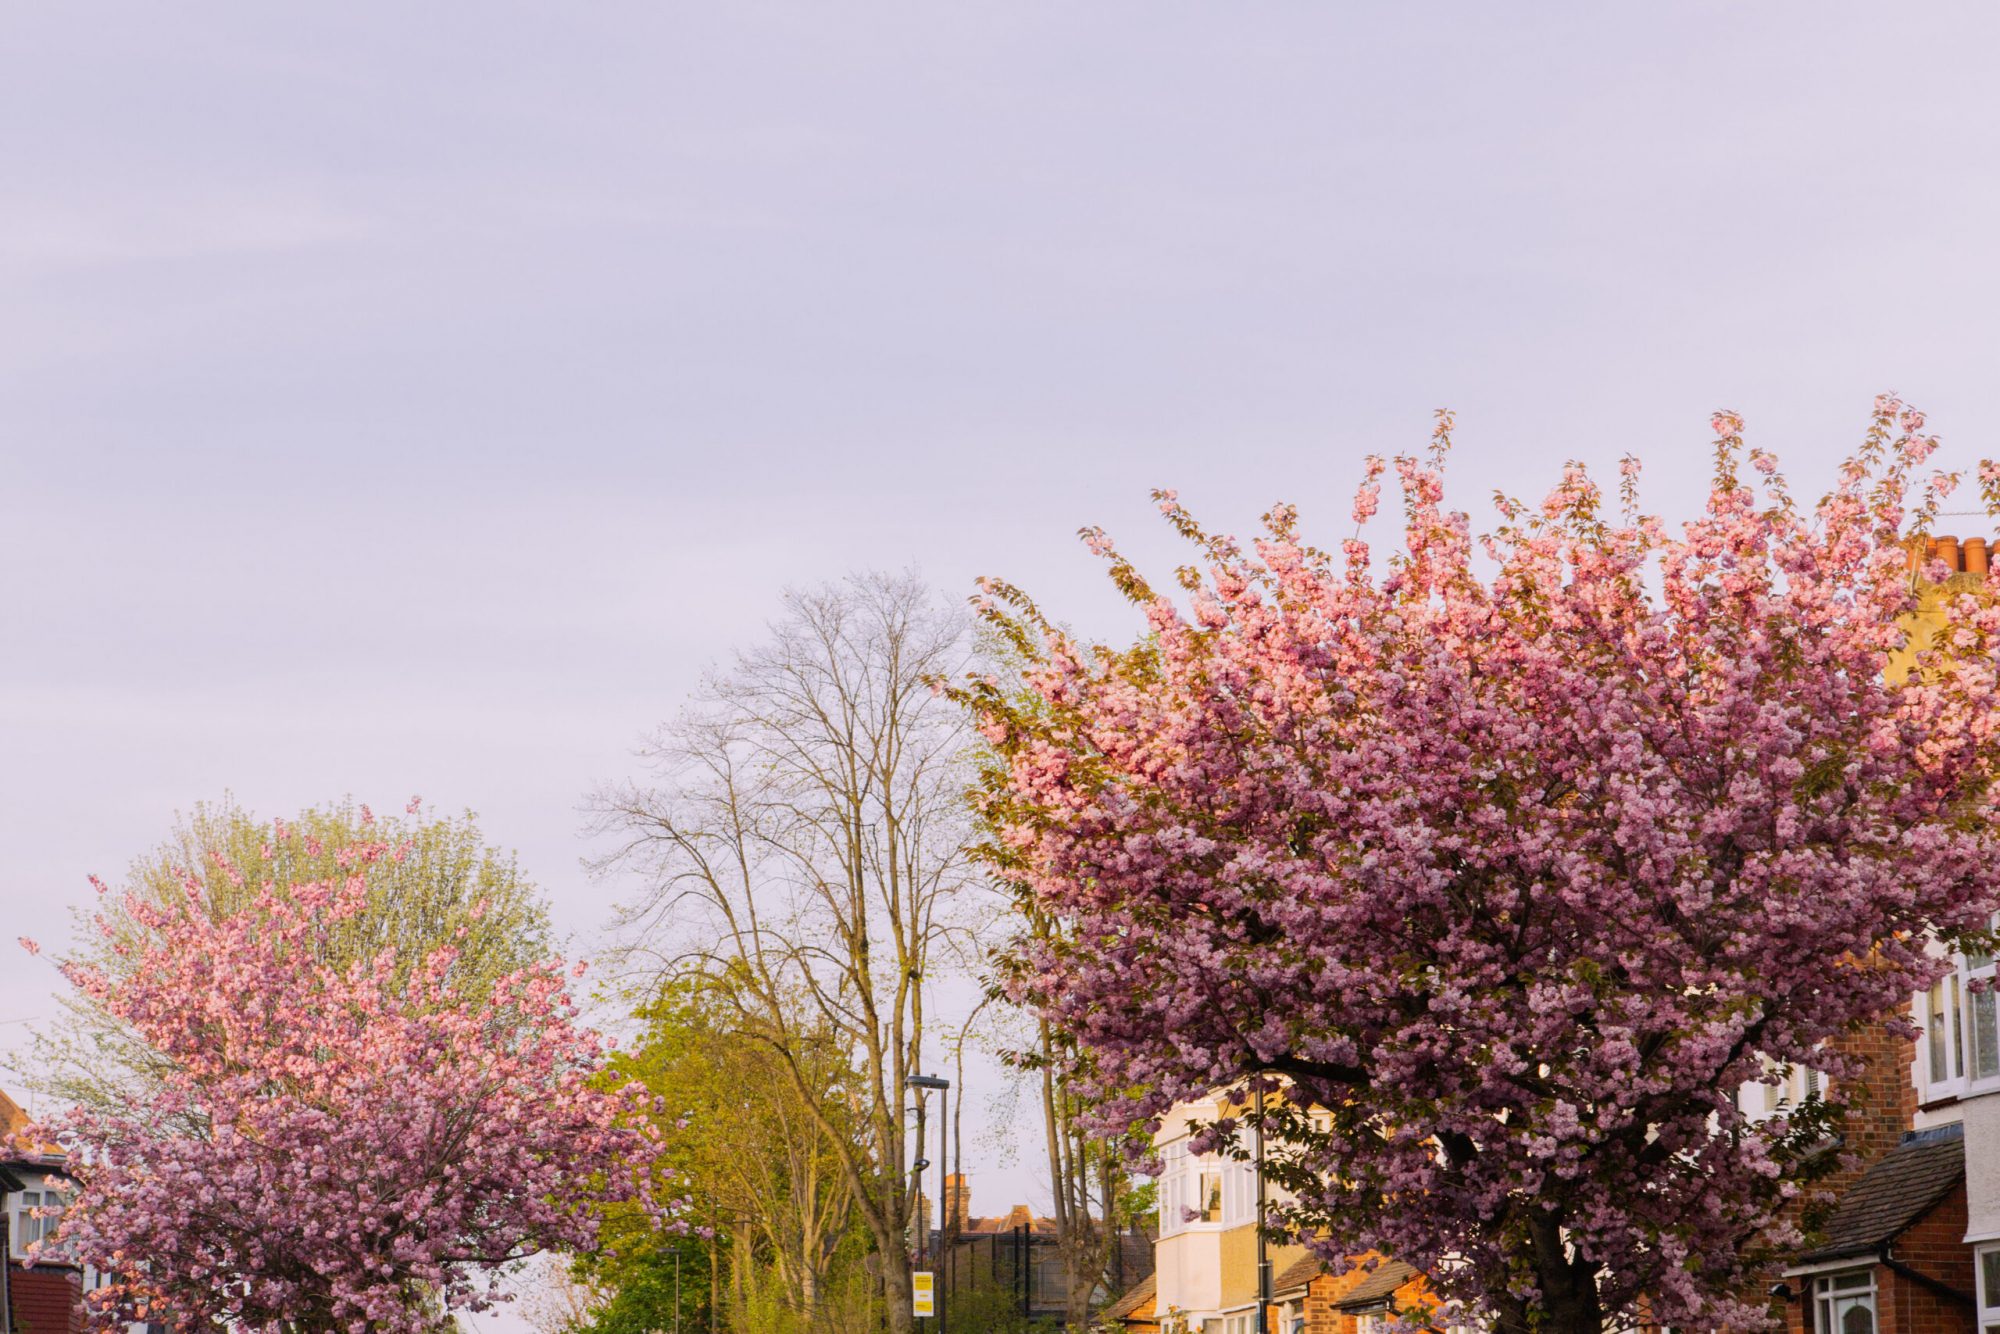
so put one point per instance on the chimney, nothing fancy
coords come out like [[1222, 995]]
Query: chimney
[[1882, 1103], [957, 1202]]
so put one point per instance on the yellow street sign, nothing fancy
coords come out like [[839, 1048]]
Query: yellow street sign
[[921, 1300]]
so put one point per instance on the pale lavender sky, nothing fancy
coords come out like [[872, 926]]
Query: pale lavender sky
[[414, 398]]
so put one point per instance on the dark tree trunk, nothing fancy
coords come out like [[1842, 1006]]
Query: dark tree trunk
[[1569, 1303]]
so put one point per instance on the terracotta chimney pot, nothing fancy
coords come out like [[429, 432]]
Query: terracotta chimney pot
[[1947, 549], [1975, 555]]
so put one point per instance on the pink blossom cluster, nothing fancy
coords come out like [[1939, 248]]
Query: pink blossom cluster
[[328, 1148], [1516, 856]]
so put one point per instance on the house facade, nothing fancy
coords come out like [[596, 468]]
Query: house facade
[[1207, 1275], [1912, 1245], [40, 1293], [1893, 1256], [1205, 1279]]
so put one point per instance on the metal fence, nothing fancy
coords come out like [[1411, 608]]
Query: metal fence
[[1028, 1266]]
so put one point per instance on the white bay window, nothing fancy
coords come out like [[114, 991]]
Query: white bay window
[[1961, 1028]]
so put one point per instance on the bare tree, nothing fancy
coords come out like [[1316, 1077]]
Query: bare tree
[[804, 834], [554, 1299], [1088, 1180]]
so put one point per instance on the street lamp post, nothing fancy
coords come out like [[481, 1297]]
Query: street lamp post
[[943, 1087], [1263, 1254]]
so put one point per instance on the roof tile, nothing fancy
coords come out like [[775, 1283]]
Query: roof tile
[[1901, 1187]]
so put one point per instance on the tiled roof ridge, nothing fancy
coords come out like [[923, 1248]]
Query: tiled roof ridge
[[1298, 1273], [1932, 1134], [1133, 1299], [1896, 1191], [1389, 1275]]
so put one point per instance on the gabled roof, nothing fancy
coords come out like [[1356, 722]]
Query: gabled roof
[[1379, 1286], [1901, 1187], [12, 1119], [1297, 1274], [1141, 1293]]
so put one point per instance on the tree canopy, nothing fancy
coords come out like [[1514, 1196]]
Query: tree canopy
[[332, 1140], [1513, 857], [448, 888]]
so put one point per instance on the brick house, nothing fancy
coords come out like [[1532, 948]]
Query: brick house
[[1913, 1242], [1364, 1297], [1892, 1256], [47, 1296]]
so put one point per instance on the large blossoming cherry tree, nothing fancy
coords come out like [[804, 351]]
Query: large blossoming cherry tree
[[335, 1147], [1514, 858]]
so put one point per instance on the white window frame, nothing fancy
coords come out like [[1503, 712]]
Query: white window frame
[[1174, 1192], [1210, 1180], [1988, 1285], [50, 1193], [1190, 1181], [1960, 1050], [1841, 1291], [1782, 1093]]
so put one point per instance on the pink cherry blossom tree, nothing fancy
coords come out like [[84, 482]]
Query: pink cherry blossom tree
[[335, 1146], [1514, 857]]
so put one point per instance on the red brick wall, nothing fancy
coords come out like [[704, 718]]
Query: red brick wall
[[1934, 1247], [46, 1301], [1327, 1289], [1322, 1293], [1882, 1103]]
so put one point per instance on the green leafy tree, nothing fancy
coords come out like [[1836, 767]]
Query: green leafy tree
[[783, 1244]]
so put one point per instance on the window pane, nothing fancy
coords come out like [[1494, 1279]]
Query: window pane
[[1859, 1318], [1934, 1032], [1957, 1032], [1985, 1036], [1989, 1279]]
